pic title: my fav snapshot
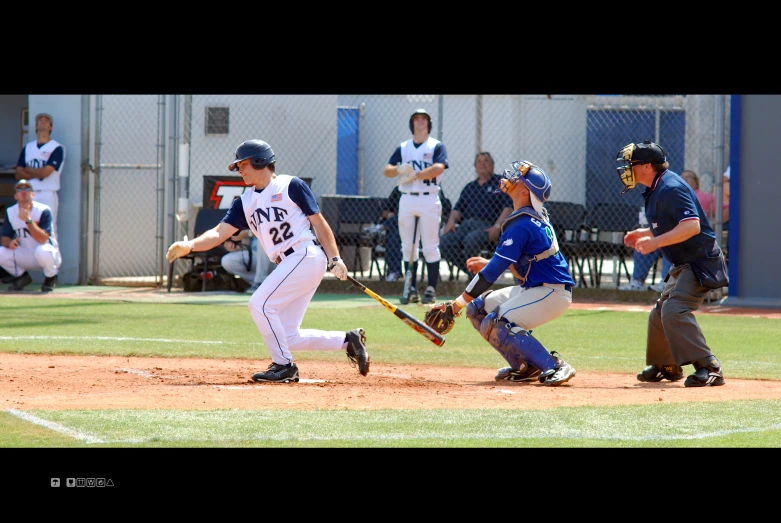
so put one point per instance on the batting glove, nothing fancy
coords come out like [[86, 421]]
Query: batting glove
[[338, 268], [179, 249]]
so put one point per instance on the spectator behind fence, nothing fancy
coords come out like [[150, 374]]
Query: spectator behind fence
[[245, 260], [480, 209], [29, 240], [41, 162]]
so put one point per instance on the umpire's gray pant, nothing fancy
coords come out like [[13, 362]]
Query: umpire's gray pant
[[674, 336]]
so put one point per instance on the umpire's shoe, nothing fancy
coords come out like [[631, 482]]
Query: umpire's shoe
[[278, 373], [525, 373], [356, 350], [561, 373], [19, 283], [654, 373], [708, 372]]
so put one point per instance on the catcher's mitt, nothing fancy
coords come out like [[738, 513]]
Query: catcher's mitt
[[441, 317]]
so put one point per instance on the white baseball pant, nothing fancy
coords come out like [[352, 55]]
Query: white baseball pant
[[46, 257], [279, 305]]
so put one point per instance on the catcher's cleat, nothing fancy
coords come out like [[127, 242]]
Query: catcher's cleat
[[654, 373], [525, 373], [356, 350], [561, 373], [278, 373], [708, 372]]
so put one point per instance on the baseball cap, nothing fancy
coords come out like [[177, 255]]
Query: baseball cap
[[22, 183], [44, 115], [648, 152]]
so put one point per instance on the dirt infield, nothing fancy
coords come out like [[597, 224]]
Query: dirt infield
[[90, 382]]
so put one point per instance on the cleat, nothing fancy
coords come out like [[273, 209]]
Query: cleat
[[655, 373], [705, 374], [430, 295], [356, 350], [561, 373], [49, 283], [19, 283], [278, 373], [525, 373]]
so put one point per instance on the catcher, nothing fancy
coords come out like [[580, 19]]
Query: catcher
[[506, 317]]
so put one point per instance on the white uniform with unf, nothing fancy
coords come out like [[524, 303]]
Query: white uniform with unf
[[420, 198], [279, 304], [46, 189], [30, 255]]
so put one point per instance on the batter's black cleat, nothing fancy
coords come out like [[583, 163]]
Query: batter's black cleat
[[525, 373], [561, 373], [49, 283], [655, 373], [278, 373], [356, 350], [19, 283], [708, 372]]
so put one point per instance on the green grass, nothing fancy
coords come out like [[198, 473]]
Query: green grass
[[592, 340]]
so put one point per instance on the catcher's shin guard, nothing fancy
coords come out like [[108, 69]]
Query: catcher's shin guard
[[520, 347]]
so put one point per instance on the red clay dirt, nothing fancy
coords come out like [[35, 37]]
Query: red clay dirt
[[89, 382]]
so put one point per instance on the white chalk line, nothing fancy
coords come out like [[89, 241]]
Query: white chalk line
[[114, 338], [56, 427]]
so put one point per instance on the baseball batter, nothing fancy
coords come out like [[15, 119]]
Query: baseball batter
[[41, 162], [529, 249], [281, 213], [417, 165]]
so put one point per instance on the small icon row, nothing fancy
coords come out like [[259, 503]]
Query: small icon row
[[84, 482]]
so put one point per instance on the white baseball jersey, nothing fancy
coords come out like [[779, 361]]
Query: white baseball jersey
[[274, 218], [420, 158], [37, 157], [15, 227]]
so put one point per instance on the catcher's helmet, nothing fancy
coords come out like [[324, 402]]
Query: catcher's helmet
[[259, 151], [635, 154], [535, 179], [419, 111]]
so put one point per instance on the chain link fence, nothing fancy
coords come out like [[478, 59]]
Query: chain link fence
[[160, 158]]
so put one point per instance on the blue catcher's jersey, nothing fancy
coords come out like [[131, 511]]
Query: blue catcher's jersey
[[524, 237]]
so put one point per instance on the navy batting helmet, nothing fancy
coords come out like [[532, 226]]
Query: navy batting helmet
[[259, 151], [536, 180], [419, 111]]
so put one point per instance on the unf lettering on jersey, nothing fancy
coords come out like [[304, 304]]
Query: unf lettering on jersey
[[258, 215]]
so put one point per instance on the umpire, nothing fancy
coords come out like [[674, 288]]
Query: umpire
[[680, 228]]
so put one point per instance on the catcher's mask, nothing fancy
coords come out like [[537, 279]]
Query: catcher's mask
[[413, 115], [535, 179], [637, 154], [259, 151]]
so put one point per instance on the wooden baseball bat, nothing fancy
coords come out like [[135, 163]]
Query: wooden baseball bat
[[414, 323]]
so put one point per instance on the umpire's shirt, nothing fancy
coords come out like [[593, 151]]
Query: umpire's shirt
[[670, 201]]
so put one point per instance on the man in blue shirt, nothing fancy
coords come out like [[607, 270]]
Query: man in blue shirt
[[481, 208], [679, 227]]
